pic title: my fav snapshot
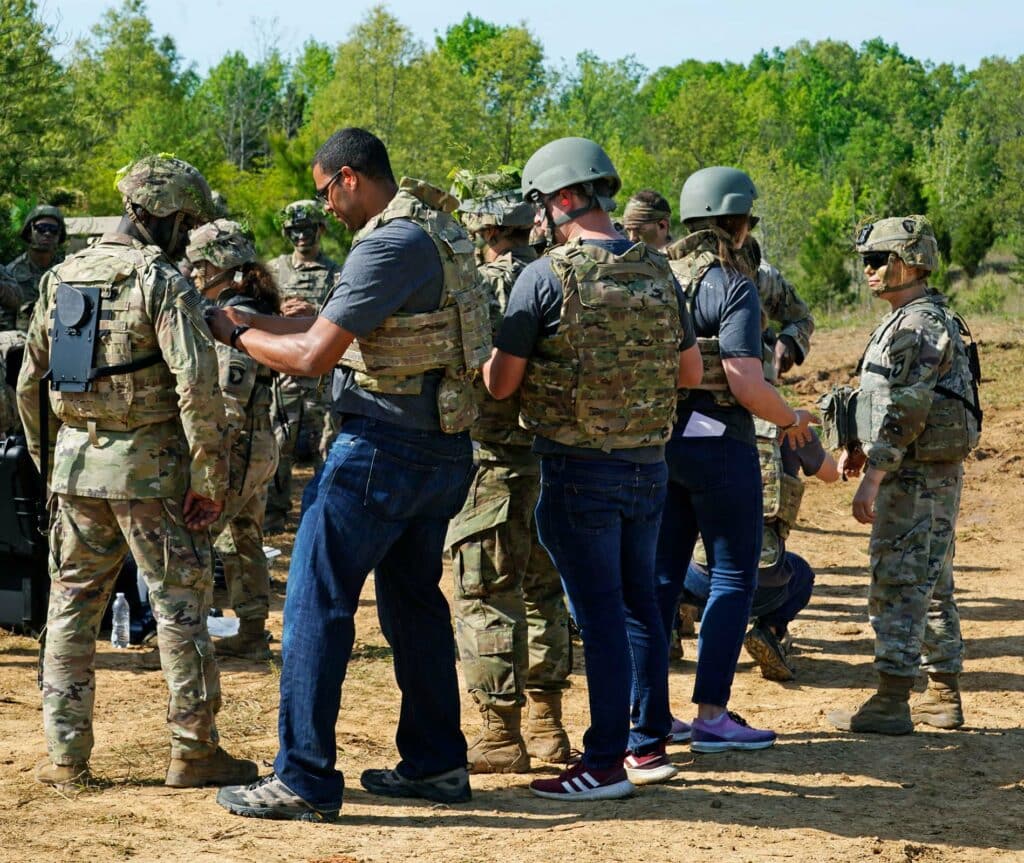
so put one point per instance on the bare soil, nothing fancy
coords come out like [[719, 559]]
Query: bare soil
[[818, 795]]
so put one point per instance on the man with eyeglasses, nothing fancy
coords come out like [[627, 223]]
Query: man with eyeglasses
[[43, 232], [909, 427], [301, 412]]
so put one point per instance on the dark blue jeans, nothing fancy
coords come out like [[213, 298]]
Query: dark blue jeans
[[598, 520], [381, 502], [714, 489]]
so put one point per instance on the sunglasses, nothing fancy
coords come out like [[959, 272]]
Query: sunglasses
[[875, 260], [321, 194], [297, 232], [46, 229]]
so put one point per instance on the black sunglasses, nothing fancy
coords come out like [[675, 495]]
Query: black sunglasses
[[46, 228], [875, 260], [321, 194]]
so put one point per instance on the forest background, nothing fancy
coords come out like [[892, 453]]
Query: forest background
[[831, 133]]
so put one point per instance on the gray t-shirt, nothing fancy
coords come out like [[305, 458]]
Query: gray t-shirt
[[396, 268], [533, 312]]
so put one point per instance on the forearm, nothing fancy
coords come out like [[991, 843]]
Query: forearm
[[278, 324], [763, 400], [294, 353], [905, 418]]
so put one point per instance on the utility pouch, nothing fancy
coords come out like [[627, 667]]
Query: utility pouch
[[838, 411], [457, 406]]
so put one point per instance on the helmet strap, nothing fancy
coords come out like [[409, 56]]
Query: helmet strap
[[140, 226]]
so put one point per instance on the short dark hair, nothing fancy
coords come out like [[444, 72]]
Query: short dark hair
[[362, 151]]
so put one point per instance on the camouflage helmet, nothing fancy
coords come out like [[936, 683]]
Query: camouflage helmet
[[163, 185], [910, 238], [223, 243], [41, 212], [298, 212], [491, 200], [570, 162], [717, 191]]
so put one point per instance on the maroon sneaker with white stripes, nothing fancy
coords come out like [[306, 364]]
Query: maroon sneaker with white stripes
[[585, 783]]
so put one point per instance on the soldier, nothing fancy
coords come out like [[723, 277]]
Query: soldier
[[647, 217], [43, 232], [408, 322], [226, 272], [596, 336], [915, 418], [138, 466], [303, 422], [511, 623], [10, 300]]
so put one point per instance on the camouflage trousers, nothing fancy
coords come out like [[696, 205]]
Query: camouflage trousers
[[239, 530], [511, 623], [89, 539], [301, 439], [910, 600]]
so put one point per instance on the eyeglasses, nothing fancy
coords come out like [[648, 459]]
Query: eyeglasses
[[297, 232], [321, 194], [46, 228], [875, 260]]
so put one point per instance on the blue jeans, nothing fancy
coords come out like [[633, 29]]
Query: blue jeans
[[599, 522], [714, 489], [381, 502]]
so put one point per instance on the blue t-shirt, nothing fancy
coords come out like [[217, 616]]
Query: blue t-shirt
[[396, 268], [725, 304], [533, 312]]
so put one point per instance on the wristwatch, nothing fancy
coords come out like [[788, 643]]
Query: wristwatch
[[236, 334]]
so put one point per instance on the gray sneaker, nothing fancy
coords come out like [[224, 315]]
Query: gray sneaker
[[271, 798], [449, 787]]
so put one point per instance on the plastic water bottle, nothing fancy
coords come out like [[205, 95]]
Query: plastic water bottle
[[120, 622]]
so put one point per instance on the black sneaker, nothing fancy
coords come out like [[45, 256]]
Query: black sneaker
[[762, 644], [449, 787], [271, 798]]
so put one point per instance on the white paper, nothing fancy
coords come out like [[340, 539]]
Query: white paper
[[269, 552], [699, 425], [221, 627]]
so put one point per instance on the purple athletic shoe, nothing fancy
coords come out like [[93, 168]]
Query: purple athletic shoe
[[680, 732], [728, 731]]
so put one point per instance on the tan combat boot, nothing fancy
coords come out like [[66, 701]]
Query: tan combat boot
[[885, 712], [249, 643], [940, 705], [500, 747], [687, 620], [546, 739], [217, 768], [63, 775]]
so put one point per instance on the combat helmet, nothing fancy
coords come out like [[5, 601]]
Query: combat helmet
[[491, 200], [717, 191], [302, 212], [40, 212], [163, 185], [223, 243], [910, 238], [570, 162]]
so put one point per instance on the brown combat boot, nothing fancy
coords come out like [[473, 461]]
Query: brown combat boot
[[686, 624], [63, 775], [500, 747], [249, 643], [546, 739], [218, 768], [885, 712], [940, 705]]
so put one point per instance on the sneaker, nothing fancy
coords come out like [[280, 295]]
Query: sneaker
[[729, 731], [680, 731], [763, 645], [650, 768], [271, 798], [449, 787], [585, 783]]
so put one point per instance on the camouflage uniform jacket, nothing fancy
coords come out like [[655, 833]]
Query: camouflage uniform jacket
[[10, 300], [27, 274], [311, 281], [781, 304], [151, 433]]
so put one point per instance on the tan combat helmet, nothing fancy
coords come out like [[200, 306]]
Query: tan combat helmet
[[163, 185], [910, 238], [491, 200], [223, 243], [41, 212]]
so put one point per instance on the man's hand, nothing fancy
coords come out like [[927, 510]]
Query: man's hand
[[785, 354], [800, 433], [296, 307], [851, 462], [867, 492], [200, 512]]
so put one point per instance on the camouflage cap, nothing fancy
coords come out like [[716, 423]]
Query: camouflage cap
[[491, 199], [40, 212], [223, 243], [911, 238], [298, 212], [163, 185]]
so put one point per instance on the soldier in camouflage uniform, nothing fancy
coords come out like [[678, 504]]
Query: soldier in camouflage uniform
[[912, 423], [304, 425], [10, 300], [43, 232], [511, 624], [226, 272], [138, 467]]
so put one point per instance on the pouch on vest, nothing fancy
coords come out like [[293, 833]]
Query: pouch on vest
[[714, 379], [837, 406], [770, 456], [792, 495], [946, 437], [457, 404], [73, 338]]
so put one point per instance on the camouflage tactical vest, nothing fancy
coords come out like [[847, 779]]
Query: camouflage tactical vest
[[12, 342], [312, 282], [456, 338], [498, 422], [126, 333], [242, 378], [952, 428], [607, 379]]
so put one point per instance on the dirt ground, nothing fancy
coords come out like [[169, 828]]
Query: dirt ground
[[818, 795]]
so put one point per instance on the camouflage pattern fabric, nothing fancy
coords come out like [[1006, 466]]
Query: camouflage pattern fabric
[[781, 303], [511, 623], [910, 600], [163, 185], [89, 538], [911, 238], [10, 300], [27, 275], [10, 422]]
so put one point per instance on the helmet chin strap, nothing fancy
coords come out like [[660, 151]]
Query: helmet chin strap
[[139, 225]]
